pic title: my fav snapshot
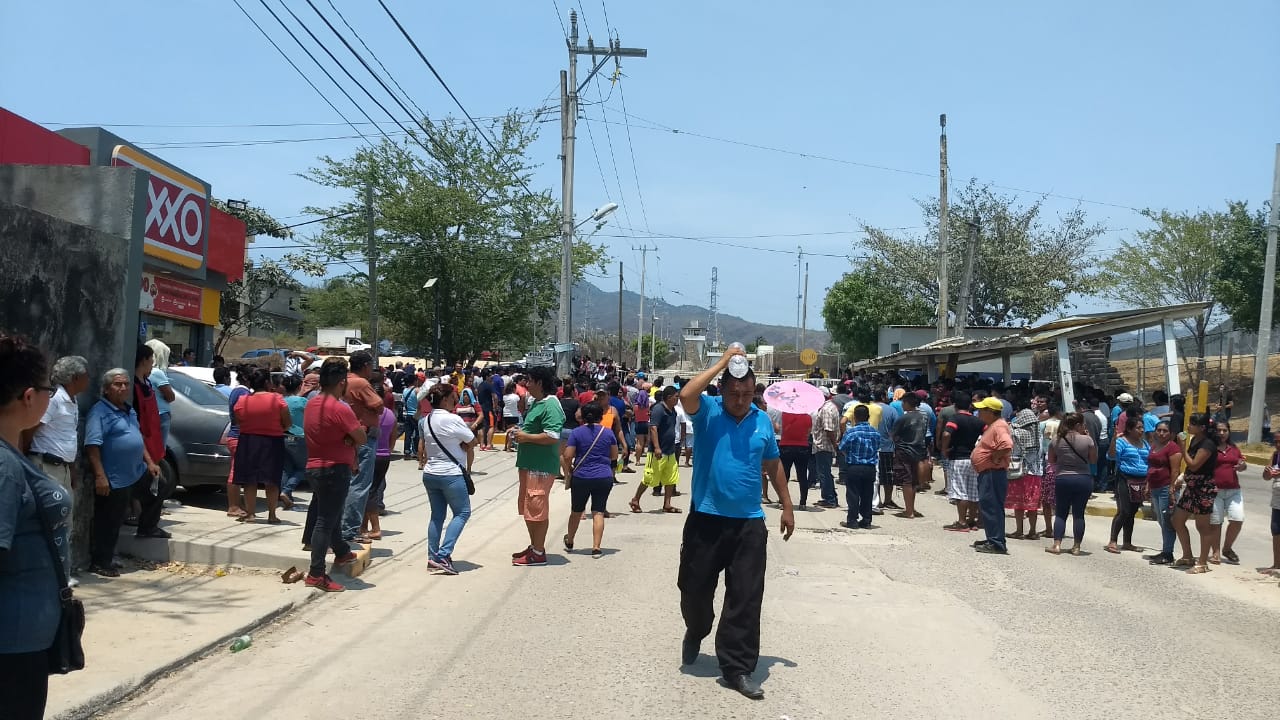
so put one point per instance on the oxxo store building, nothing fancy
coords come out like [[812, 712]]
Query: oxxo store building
[[190, 250]]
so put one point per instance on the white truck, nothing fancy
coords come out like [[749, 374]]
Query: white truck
[[344, 340]]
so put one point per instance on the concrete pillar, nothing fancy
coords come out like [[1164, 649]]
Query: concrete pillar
[[1006, 366], [1064, 376], [1173, 378], [932, 369]]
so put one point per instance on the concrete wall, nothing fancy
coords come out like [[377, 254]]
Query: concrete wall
[[69, 273]]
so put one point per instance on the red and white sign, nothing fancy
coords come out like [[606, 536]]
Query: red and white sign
[[163, 296], [177, 222]]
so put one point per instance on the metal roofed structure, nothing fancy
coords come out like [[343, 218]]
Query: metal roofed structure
[[1056, 334]]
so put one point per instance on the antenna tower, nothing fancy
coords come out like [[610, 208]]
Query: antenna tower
[[715, 310]]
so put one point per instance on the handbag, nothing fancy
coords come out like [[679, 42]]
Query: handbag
[[466, 476], [577, 460], [66, 654]]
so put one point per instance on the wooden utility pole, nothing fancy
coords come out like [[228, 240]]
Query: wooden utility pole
[[966, 282], [942, 230], [373, 274], [1257, 404], [620, 346]]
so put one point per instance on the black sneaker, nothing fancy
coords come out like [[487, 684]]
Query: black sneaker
[[745, 685], [990, 549], [156, 533], [104, 571], [1160, 559]]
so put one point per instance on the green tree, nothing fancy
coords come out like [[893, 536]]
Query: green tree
[[661, 351], [1026, 266], [461, 215], [1172, 262], [858, 304], [1241, 254], [338, 302], [263, 279]]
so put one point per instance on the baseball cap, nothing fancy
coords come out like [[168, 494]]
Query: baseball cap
[[826, 391], [640, 374], [922, 394], [1124, 398], [989, 403]]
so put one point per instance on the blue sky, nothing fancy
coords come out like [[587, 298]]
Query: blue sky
[[1169, 104]]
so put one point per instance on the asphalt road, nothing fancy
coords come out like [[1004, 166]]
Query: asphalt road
[[904, 621]]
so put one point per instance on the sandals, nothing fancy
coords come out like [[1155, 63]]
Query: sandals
[[1053, 550], [1077, 551], [1230, 557], [635, 507], [1033, 535], [1112, 549], [568, 543], [1183, 563], [1016, 535], [1198, 570], [672, 510], [956, 527]]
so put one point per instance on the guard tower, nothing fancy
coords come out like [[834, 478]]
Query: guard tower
[[693, 349]]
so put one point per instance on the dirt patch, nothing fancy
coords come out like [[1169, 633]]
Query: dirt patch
[[1147, 375]]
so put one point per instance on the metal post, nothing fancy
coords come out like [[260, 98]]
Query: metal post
[[804, 313], [943, 299], [569, 106], [1064, 376], [799, 272], [653, 344], [373, 273], [1258, 402], [1172, 378], [644, 266], [436, 290]]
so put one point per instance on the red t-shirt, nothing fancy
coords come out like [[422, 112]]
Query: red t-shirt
[[259, 414], [795, 430], [1224, 472], [326, 423], [1158, 468]]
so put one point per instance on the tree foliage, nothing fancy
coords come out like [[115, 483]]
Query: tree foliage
[[243, 299], [661, 352], [1173, 262], [1026, 267], [1241, 254], [859, 303], [461, 215], [338, 302]]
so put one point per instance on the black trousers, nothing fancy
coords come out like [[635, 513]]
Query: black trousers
[[149, 515], [24, 685], [798, 456], [108, 517], [323, 529], [860, 494], [736, 546]]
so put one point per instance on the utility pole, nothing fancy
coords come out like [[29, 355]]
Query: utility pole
[[1263, 353], [373, 273], [966, 282], [653, 344], [714, 333], [644, 266], [804, 314], [799, 270], [619, 312], [569, 89], [942, 229]]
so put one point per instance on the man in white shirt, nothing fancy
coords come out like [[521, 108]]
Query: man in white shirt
[[54, 440]]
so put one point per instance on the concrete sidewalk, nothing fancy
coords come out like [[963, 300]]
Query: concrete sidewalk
[[187, 597]]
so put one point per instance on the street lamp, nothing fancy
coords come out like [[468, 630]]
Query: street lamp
[[565, 317], [430, 285]]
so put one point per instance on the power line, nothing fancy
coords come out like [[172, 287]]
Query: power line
[[299, 70], [622, 94], [374, 55], [321, 66], [497, 154]]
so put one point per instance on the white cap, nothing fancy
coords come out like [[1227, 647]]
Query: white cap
[[1124, 398]]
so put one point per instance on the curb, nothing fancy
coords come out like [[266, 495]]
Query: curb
[[130, 687]]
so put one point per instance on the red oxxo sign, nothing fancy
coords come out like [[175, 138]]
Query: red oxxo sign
[[177, 222]]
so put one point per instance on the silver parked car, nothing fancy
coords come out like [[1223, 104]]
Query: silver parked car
[[195, 455]]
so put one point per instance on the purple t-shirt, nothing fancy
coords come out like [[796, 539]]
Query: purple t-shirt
[[592, 463], [386, 426]]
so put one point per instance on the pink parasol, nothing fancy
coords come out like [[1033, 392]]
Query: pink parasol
[[794, 396]]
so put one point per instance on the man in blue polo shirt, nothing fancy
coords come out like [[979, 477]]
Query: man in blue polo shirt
[[725, 529]]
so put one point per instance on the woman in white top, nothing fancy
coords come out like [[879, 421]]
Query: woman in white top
[[442, 449]]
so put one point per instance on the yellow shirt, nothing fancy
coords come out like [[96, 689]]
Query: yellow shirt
[[872, 408]]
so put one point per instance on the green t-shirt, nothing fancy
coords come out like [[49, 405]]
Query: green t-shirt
[[543, 416]]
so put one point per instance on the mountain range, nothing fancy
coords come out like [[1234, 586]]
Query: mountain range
[[596, 311]]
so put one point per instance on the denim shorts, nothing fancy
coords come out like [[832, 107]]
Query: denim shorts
[[1228, 502]]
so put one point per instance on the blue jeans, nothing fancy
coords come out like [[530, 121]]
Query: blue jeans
[[361, 483], [295, 464], [410, 435], [445, 492], [821, 471], [1160, 503], [993, 488]]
